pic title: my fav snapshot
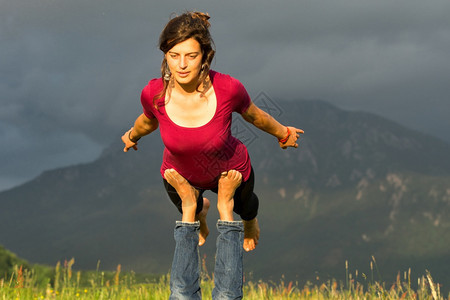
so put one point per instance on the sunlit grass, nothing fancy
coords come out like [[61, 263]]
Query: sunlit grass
[[67, 284]]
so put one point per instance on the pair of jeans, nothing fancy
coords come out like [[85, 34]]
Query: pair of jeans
[[228, 270]]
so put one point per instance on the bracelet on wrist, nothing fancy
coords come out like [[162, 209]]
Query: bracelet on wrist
[[284, 140], [129, 137]]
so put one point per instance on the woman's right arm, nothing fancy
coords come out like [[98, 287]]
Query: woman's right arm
[[142, 126]]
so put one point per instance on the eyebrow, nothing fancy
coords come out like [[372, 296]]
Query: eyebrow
[[190, 53]]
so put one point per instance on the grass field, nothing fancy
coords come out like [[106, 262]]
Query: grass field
[[64, 283]]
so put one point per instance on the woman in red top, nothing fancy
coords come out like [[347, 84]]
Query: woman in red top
[[193, 105]]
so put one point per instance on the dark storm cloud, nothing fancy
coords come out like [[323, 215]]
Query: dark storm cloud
[[72, 71], [387, 57]]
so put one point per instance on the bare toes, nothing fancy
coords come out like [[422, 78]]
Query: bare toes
[[249, 245], [251, 234], [234, 175], [201, 216], [169, 175], [174, 176]]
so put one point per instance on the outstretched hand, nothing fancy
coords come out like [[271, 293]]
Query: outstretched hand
[[128, 143], [292, 139]]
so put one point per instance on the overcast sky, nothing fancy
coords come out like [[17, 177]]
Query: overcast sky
[[72, 70]]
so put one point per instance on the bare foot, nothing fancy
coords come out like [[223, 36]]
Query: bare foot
[[201, 216], [187, 193], [251, 234], [228, 183]]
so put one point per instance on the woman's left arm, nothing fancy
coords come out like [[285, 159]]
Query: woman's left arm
[[287, 136]]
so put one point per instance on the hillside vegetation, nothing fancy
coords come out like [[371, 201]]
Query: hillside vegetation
[[359, 186], [65, 283]]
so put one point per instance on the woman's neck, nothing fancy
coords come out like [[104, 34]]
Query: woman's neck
[[186, 89], [191, 88]]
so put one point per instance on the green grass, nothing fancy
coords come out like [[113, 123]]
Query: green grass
[[64, 283]]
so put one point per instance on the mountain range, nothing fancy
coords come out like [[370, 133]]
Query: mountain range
[[359, 189]]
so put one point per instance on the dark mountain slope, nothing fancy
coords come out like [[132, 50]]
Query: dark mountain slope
[[359, 185]]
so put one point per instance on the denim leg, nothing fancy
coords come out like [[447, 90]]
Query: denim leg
[[228, 271], [185, 274]]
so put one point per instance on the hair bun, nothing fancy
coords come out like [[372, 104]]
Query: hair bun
[[202, 16]]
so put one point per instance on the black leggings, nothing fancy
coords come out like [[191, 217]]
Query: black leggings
[[246, 202]]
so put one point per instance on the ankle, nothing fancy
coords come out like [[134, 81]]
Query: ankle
[[225, 211], [250, 222], [226, 214], [189, 213]]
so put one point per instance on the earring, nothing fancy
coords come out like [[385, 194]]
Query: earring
[[167, 73]]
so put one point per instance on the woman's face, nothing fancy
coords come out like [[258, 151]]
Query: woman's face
[[185, 61]]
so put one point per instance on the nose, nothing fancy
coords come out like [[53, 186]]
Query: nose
[[182, 63]]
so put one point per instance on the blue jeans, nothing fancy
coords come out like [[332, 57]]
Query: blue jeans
[[228, 272]]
